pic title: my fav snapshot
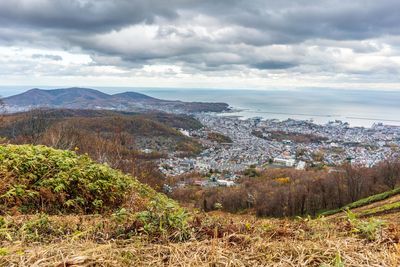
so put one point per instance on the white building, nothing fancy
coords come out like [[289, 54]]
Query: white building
[[301, 165], [285, 162], [225, 183]]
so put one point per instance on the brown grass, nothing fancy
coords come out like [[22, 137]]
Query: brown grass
[[219, 239]]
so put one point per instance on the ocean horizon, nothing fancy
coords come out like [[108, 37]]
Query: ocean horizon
[[358, 108]]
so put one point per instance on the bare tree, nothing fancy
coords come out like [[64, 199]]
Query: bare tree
[[1, 102], [2, 109], [390, 172], [62, 136], [37, 122]]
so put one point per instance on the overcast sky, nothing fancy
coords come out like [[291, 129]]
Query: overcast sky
[[203, 43]]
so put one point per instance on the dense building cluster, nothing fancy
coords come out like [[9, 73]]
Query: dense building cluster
[[255, 142]]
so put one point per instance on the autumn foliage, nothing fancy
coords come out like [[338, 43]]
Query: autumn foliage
[[289, 192]]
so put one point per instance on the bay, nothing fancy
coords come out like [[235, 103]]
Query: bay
[[321, 105]]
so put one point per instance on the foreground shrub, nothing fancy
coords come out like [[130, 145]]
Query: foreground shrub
[[38, 178], [164, 218], [367, 229]]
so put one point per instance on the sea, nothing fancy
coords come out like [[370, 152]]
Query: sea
[[360, 108]]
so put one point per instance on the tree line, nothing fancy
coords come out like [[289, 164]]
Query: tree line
[[106, 137], [289, 192]]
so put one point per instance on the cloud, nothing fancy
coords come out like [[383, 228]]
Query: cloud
[[274, 65], [324, 40], [81, 15], [50, 57]]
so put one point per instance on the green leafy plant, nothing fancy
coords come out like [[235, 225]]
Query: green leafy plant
[[4, 229], [164, 217], [3, 251], [38, 178], [37, 228], [367, 229]]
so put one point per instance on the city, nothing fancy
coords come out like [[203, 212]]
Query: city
[[259, 143]]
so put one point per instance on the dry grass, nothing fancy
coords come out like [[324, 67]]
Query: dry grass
[[220, 252], [222, 240]]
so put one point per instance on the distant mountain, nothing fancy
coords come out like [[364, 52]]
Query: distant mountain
[[135, 96], [86, 98], [55, 97]]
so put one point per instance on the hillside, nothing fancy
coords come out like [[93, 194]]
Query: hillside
[[39, 179], [59, 97], [383, 203], [130, 142], [85, 98], [61, 209], [156, 131]]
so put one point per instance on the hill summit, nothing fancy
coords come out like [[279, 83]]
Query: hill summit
[[86, 98]]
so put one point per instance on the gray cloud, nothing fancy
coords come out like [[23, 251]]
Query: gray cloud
[[315, 37], [51, 57], [81, 15], [293, 21], [284, 21], [274, 65]]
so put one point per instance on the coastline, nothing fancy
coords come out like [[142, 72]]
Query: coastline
[[243, 113]]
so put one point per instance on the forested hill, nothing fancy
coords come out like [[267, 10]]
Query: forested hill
[[67, 128], [85, 98]]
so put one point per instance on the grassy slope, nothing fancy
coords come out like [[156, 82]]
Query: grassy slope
[[367, 201], [41, 179], [143, 237], [218, 239]]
